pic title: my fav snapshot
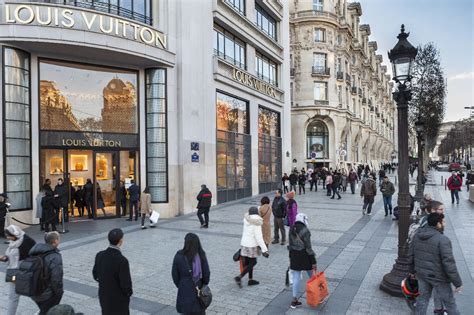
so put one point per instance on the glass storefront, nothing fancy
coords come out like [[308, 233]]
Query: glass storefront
[[234, 163], [269, 150], [317, 140]]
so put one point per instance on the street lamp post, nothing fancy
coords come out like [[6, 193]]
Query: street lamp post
[[420, 128], [401, 57]]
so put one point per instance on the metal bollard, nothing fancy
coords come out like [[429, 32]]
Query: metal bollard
[[63, 223], [441, 180], [445, 184]]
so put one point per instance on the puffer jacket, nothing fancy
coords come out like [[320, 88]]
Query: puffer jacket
[[431, 257], [54, 264], [252, 232]]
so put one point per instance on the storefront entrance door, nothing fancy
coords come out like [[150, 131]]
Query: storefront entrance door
[[105, 184]]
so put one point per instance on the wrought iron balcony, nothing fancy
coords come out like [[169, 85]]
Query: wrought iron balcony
[[313, 13], [340, 75], [292, 72], [364, 100], [321, 71], [348, 78], [354, 90], [360, 91]]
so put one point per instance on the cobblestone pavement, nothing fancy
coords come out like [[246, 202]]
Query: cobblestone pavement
[[355, 252]]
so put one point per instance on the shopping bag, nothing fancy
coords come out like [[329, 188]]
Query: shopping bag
[[316, 289], [241, 263], [155, 216]]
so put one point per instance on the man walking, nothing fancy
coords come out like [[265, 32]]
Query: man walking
[[53, 264], [112, 271], [279, 213], [336, 183], [454, 185], [134, 192], [293, 180], [204, 204], [314, 180], [431, 259], [302, 182], [368, 192], [388, 189], [352, 178]]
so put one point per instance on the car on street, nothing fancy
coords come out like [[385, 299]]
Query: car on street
[[442, 167], [454, 167]]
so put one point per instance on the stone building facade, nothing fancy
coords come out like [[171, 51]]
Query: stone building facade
[[343, 113]]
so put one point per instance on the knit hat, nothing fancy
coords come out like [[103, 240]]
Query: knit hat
[[303, 218], [253, 210], [290, 195]]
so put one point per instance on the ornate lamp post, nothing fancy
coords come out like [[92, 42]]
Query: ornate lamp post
[[401, 57], [420, 128]]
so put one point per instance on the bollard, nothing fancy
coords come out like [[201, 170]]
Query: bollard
[[441, 180], [445, 184], [63, 223]]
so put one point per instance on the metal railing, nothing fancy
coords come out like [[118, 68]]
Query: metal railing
[[348, 78], [354, 90], [313, 13], [319, 70], [340, 75], [360, 91], [292, 72]]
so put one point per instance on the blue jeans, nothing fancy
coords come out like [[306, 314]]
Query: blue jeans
[[454, 193], [296, 281], [387, 204], [444, 293]]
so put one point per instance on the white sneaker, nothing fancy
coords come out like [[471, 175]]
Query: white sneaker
[[363, 211], [369, 213]]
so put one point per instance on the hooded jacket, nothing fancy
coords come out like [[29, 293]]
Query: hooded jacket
[[53, 263], [368, 188], [252, 232], [431, 257]]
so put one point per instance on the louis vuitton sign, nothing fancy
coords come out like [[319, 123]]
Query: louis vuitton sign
[[254, 83], [74, 18]]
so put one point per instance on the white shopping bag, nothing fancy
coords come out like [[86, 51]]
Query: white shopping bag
[[155, 216]]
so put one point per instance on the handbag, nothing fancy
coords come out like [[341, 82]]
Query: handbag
[[204, 293], [236, 256], [316, 289], [285, 221], [10, 275]]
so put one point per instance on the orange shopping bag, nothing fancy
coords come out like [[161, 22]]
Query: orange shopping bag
[[316, 289]]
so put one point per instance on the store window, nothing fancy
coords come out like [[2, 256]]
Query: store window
[[266, 69], [156, 131], [265, 22], [229, 47], [17, 128], [269, 150], [234, 159], [317, 140]]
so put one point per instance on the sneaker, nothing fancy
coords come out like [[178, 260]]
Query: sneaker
[[275, 242], [152, 226], [283, 243], [143, 227], [369, 213], [295, 304], [238, 281], [363, 211], [253, 282]]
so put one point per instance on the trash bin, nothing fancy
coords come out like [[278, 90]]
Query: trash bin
[[471, 193]]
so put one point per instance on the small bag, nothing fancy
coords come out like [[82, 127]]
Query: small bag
[[285, 221], [205, 296], [154, 217], [236, 256], [10, 275], [316, 289]]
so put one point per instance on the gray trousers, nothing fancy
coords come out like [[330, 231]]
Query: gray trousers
[[278, 226], [444, 293], [13, 299]]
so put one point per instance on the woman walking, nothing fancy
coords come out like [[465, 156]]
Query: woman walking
[[18, 248], [291, 208], [265, 211], [190, 270], [251, 245], [145, 206], [329, 184], [302, 257]]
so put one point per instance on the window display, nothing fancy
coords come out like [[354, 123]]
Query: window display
[[78, 162]]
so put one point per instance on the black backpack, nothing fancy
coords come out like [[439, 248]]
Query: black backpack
[[31, 277]]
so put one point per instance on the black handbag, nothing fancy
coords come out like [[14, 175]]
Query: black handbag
[[10, 275], [236, 256], [204, 293]]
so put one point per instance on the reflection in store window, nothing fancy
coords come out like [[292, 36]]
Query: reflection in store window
[[269, 150], [87, 98]]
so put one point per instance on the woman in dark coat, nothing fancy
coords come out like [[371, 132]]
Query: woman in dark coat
[[48, 204], [190, 268]]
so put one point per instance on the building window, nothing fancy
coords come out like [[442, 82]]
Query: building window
[[319, 35], [239, 5], [269, 150], [320, 91], [228, 47], [318, 5], [233, 152], [317, 140], [266, 69], [265, 22], [17, 128], [319, 63], [339, 94], [156, 134]]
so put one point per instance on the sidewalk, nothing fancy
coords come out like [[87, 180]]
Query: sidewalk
[[355, 252]]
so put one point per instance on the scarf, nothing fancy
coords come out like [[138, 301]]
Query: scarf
[[197, 270]]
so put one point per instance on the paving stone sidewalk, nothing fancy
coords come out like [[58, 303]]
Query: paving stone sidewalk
[[355, 252]]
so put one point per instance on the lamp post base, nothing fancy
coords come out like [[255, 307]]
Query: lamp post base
[[419, 195], [391, 282]]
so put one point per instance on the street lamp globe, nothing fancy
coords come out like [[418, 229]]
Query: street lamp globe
[[402, 57], [420, 127]]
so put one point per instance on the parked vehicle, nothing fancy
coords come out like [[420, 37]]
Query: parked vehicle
[[454, 167], [442, 167]]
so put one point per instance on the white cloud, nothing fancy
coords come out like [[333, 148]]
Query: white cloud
[[462, 76]]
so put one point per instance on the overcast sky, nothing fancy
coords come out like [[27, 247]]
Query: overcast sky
[[447, 23]]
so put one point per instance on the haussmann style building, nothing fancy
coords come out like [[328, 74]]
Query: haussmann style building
[[169, 94], [342, 109]]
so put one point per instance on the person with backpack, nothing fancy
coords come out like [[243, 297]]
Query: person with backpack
[[352, 179], [388, 189], [368, 192], [190, 271], [47, 264], [454, 185], [18, 249], [112, 271], [279, 213], [204, 205]]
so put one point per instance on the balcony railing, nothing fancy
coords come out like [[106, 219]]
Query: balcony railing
[[354, 90], [103, 6], [313, 13], [348, 78], [230, 59], [318, 70], [364, 100], [370, 103], [340, 75], [292, 72], [360, 91]]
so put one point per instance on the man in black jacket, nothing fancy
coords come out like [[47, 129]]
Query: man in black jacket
[[134, 192], [279, 213], [112, 271], [336, 182], [3, 213], [204, 204], [302, 182], [431, 258], [61, 195], [53, 263]]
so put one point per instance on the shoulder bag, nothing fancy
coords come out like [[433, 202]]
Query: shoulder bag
[[204, 293], [10, 275]]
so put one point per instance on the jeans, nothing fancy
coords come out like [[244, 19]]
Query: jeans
[[315, 184], [133, 210], [278, 226], [387, 204], [13, 299], [368, 201], [335, 191], [328, 189], [301, 186], [204, 211], [296, 281], [45, 306], [445, 295], [285, 188], [454, 193], [353, 186], [293, 187]]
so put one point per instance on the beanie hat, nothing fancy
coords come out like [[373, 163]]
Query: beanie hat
[[253, 210]]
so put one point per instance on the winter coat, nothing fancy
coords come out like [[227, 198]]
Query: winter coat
[[368, 188], [329, 180], [48, 205], [352, 178], [53, 263], [112, 271], [293, 179], [134, 192], [301, 179], [344, 180], [204, 198], [302, 256], [387, 188], [291, 211], [187, 300], [79, 198], [63, 195], [265, 212], [336, 181], [451, 185], [18, 250], [88, 193], [145, 203], [39, 208], [279, 207], [431, 257], [252, 235]]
